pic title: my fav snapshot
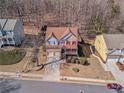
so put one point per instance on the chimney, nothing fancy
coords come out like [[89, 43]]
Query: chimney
[[44, 28]]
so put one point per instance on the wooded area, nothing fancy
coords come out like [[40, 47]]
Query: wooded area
[[91, 16]]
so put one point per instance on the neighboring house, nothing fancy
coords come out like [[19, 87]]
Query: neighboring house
[[61, 41], [11, 32], [110, 46]]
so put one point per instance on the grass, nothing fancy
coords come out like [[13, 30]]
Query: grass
[[11, 57]]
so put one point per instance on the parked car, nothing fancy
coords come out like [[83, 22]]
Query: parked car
[[114, 86]]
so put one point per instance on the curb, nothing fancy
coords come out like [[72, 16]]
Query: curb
[[62, 78]]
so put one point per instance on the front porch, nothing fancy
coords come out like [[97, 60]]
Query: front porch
[[69, 52], [7, 41]]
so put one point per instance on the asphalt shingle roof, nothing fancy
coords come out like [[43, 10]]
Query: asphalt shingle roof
[[2, 22], [8, 24], [60, 31], [114, 41]]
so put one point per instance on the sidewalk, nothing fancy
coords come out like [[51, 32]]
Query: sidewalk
[[20, 74], [86, 80], [23, 76]]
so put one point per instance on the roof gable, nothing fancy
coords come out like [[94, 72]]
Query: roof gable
[[60, 32], [72, 38], [68, 33], [67, 36], [51, 36]]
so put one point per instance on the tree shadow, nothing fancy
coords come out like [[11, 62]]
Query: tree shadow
[[9, 85], [29, 41]]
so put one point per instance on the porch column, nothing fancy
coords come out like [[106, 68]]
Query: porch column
[[13, 41], [7, 41]]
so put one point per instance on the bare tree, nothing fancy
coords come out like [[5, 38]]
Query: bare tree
[[80, 13]]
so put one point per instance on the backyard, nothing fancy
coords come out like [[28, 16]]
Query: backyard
[[12, 56]]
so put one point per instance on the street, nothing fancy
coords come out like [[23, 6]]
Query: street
[[52, 87]]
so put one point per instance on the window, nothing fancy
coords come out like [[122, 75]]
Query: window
[[10, 39], [4, 33], [74, 50], [54, 42], [8, 32], [73, 42], [4, 41], [62, 42], [67, 42]]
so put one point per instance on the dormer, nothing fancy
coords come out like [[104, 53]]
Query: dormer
[[52, 40], [68, 35]]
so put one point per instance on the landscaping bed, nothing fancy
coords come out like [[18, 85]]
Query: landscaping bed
[[11, 57]]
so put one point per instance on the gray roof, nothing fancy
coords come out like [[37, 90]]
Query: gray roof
[[2, 22], [8, 24], [114, 41]]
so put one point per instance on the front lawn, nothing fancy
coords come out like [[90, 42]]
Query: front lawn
[[11, 57], [93, 71]]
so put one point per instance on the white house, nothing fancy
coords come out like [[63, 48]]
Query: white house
[[11, 32]]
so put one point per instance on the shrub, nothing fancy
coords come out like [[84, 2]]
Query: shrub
[[68, 60], [115, 8], [72, 60], [44, 47], [76, 69], [77, 61], [83, 61]]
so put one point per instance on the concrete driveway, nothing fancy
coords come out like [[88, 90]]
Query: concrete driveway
[[119, 75], [52, 72]]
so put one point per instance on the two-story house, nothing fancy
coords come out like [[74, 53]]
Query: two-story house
[[110, 46], [61, 41], [11, 32]]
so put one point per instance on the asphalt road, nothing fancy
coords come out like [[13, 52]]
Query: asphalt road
[[52, 87]]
